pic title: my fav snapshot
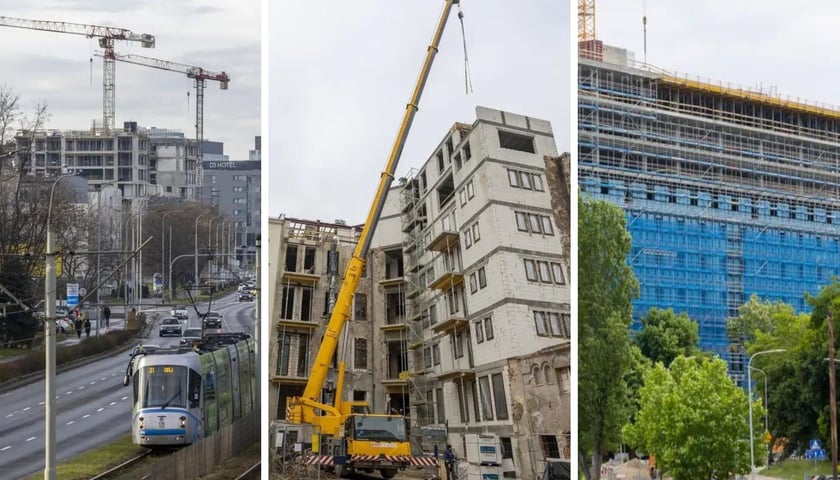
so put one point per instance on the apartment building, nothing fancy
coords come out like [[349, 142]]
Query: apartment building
[[486, 290], [727, 191], [307, 260]]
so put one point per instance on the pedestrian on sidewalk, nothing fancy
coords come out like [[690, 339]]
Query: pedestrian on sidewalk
[[77, 323], [86, 322], [106, 312]]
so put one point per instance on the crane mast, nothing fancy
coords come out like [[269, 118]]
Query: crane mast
[[301, 409], [200, 75], [106, 35]]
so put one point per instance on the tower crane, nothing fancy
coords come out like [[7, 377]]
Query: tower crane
[[588, 45], [586, 20], [107, 36], [198, 74]]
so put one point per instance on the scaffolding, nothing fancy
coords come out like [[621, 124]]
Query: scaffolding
[[417, 308], [725, 194]]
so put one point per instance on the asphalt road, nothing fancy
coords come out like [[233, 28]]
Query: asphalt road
[[93, 407]]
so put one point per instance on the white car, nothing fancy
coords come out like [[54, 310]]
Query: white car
[[180, 313]]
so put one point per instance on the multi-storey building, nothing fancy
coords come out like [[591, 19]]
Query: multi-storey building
[[307, 260], [173, 162], [728, 192], [461, 321], [486, 288], [118, 157], [234, 187]]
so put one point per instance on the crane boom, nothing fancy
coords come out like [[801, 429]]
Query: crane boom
[[341, 313], [106, 35], [89, 31]]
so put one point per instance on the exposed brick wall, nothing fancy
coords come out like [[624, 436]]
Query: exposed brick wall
[[558, 179]]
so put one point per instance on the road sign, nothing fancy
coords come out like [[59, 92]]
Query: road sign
[[72, 294], [82, 292], [815, 445]]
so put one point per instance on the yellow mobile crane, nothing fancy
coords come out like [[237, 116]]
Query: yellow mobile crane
[[352, 439]]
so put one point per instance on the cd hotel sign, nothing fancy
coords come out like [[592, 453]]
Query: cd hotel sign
[[231, 165]]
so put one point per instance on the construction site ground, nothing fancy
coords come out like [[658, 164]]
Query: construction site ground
[[311, 473]]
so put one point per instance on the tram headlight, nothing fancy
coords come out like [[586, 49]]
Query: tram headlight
[[183, 422], [141, 423]]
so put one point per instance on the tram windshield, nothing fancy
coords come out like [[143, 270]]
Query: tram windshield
[[164, 386]]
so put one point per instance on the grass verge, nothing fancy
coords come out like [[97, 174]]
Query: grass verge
[[95, 462], [796, 469]]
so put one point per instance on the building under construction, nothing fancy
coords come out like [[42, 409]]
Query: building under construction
[[461, 320], [728, 192]]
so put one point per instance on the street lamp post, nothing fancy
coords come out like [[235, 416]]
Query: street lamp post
[[766, 409], [49, 338], [163, 250], [124, 234], [195, 279], [749, 401]]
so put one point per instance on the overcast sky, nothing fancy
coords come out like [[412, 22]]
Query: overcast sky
[[771, 44], [341, 73], [218, 35]]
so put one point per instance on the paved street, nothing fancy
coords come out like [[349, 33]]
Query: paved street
[[92, 405]]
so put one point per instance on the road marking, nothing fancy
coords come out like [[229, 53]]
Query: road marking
[[68, 393], [30, 439], [71, 422], [113, 374], [82, 387], [9, 415], [27, 408], [41, 403], [100, 410], [5, 448], [86, 416], [124, 398], [93, 382], [112, 404]]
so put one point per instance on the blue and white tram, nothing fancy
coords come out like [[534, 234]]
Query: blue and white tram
[[180, 396], [166, 389]]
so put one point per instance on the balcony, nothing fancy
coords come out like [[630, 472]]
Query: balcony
[[447, 280], [401, 381], [300, 278], [296, 324], [452, 324], [394, 327], [288, 380], [444, 241], [392, 282], [457, 373]]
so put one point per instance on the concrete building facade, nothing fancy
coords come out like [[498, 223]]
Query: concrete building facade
[[728, 192], [486, 282], [307, 260], [120, 157], [234, 188], [461, 321]]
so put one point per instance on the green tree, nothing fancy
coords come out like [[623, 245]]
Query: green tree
[[693, 418], [666, 335], [755, 316], [606, 286]]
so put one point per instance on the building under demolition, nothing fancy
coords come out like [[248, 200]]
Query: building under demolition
[[461, 321]]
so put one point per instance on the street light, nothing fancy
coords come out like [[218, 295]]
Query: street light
[[162, 249], [195, 279], [766, 410], [749, 401], [124, 229], [49, 338]]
